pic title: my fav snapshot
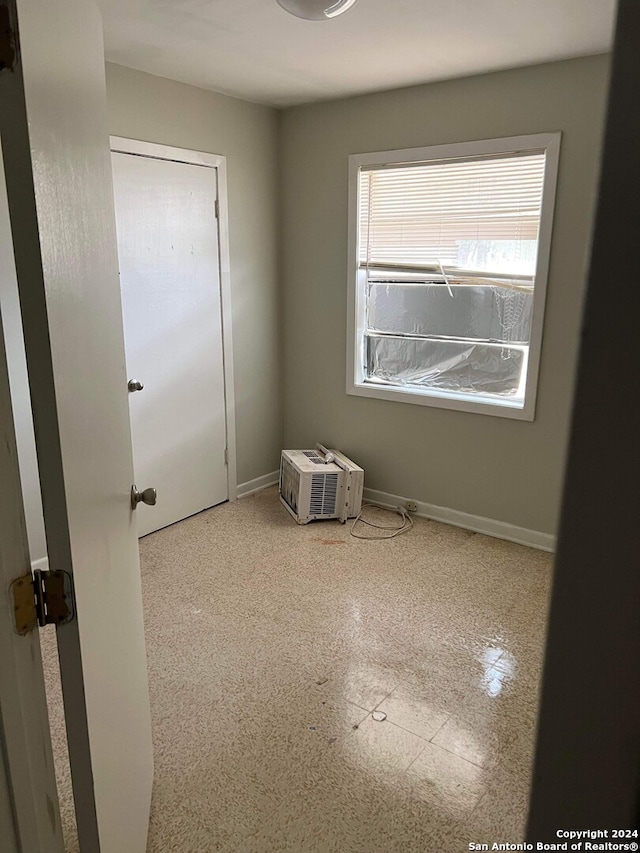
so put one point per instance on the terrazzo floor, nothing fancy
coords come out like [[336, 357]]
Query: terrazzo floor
[[269, 647]]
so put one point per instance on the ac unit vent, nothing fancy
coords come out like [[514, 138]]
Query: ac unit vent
[[324, 490], [312, 456], [290, 485]]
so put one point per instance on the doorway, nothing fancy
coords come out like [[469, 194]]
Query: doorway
[[171, 225]]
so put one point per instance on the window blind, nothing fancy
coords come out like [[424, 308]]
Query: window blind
[[472, 219]]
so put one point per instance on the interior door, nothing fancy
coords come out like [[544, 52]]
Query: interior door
[[168, 249], [58, 175]]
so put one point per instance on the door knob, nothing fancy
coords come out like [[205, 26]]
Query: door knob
[[148, 496], [135, 385]]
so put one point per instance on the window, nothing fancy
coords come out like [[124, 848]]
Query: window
[[449, 250]]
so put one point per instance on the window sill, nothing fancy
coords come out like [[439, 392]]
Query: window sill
[[512, 408]]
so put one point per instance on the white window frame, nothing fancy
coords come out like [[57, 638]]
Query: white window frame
[[357, 384]]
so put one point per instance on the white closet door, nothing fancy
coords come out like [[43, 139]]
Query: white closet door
[[170, 282]]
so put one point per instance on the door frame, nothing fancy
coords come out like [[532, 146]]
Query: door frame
[[158, 151], [27, 777]]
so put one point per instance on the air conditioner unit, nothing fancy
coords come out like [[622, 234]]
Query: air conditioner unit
[[320, 484]]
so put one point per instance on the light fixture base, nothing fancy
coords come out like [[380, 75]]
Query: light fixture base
[[316, 10]]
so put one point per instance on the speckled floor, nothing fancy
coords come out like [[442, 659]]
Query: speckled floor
[[270, 645]]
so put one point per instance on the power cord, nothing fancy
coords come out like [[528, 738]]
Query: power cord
[[407, 522]]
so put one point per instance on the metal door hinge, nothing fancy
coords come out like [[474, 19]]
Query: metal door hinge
[[42, 598], [217, 209], [226, 456]]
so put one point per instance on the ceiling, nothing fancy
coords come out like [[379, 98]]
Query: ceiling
[[253, 49]]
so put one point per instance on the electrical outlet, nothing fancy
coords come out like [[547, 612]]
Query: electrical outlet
[[411, 506]]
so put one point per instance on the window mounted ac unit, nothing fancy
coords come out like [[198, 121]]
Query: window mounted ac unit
[[320, 484]]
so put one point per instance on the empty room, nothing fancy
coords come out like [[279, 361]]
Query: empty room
[[293, 295]]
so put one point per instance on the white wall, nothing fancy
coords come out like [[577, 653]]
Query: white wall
[[501, 469], [491, 467]]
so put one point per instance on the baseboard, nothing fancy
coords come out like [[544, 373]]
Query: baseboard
[[42, 565], [489, 526], [257, 485], [477, 523]]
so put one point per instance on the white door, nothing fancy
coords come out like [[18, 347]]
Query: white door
[[58, 175], [168, 247]]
